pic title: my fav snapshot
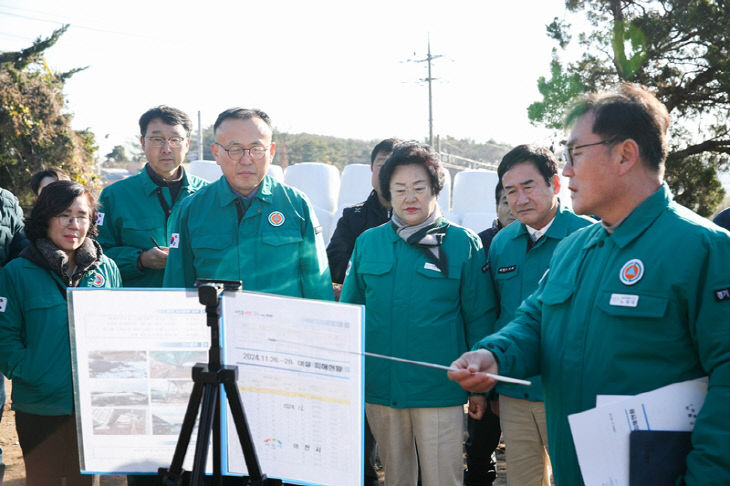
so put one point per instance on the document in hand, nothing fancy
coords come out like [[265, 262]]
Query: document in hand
[[601, 434]]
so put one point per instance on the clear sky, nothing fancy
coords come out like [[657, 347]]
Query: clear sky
[[326, 67]]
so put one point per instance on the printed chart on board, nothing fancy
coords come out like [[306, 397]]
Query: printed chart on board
[[132, 354], [300, 376]]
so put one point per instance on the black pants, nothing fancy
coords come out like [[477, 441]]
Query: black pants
[[144, 480], [483, 439], [371, 474], [50, 450]]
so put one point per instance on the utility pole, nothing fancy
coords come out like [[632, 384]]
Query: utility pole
[[428, 59]]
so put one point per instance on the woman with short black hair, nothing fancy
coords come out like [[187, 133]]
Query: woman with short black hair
[[34, 340]]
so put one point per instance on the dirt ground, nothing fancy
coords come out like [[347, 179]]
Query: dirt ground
[[15, 469], [12, 455]]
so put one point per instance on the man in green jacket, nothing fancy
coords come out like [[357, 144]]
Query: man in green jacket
[[12, 234], [134, 212], [12, 241], [518, 258], [247, 226], [635, 303]]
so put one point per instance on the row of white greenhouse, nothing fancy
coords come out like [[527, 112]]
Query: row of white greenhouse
[[468, 200]]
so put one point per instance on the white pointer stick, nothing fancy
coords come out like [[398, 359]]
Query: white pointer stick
[[506, 379]]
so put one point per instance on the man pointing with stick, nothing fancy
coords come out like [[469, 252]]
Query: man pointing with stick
[[620, 312]]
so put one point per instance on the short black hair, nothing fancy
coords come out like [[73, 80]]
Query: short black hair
[[53, 172], [630, 111], [412, 153], [385, 146], [242, 114], [543, 159], [723, 219], [55, 198], [498, 190], [168, 115]]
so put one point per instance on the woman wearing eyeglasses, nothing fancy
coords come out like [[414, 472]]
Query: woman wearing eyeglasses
[[34, 339], [423, 285]]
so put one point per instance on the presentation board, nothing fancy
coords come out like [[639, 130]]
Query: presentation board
[[300, 378], [299, 374]]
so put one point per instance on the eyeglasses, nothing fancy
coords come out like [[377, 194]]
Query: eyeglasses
[[67, 219], [408, 192], [175, 142], [568, 151], [236, 152]]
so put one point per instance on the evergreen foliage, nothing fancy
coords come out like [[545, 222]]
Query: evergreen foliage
[[34, 130], [680, 49]]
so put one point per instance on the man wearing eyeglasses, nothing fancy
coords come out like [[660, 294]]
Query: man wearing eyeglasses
[[247, 226], [634, 303], [134, 212]]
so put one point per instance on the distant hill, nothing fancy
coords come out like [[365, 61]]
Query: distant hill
[[293, 148], [490, 152]]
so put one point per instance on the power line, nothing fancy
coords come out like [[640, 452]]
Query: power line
[[24, 10], [20, 16], [13, 36], [75, 25]]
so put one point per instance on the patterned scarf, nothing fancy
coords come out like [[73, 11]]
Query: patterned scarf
[[427, 236]]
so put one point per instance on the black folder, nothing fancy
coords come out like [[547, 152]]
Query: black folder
[[657, 457]]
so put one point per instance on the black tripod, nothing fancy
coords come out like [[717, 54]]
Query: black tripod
[[207, 380]]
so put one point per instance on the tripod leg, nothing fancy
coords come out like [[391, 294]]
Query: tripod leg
[[217, 464], [244, 433], [186, 431], [210, 399]]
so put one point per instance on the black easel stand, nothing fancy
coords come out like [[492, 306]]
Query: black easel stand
[[207, 380]]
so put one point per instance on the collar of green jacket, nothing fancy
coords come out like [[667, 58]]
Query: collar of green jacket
[[638, 220], [226, 195], [149, 186], [558, 230]]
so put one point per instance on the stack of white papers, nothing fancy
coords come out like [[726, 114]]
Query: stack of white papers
[[601, 434]]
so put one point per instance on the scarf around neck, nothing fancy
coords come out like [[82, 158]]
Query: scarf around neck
[[47, 255], [427, 236]]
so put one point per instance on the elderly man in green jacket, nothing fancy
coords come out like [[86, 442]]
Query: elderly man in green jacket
[[629, 305], [247, 226], [134, 212], [518, 258]]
